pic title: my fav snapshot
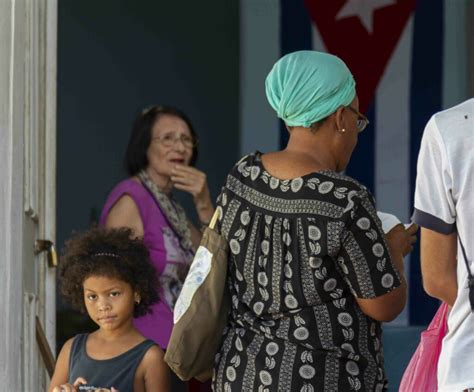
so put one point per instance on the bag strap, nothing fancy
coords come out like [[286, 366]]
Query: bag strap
[[214, 218], [470, 278]]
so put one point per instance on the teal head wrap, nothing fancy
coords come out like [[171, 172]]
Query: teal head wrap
[[306, 86]]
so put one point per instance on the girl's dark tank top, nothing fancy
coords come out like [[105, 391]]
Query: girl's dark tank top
[[117, 372]]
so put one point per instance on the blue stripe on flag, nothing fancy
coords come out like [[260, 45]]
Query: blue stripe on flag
[[426, 99], [362, 163]]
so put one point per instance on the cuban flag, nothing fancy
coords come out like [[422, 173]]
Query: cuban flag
[[395, 52]]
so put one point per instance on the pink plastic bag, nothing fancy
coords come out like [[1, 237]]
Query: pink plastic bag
[[421, 372]]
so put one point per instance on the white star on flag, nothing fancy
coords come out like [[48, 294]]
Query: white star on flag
[[364, 10]]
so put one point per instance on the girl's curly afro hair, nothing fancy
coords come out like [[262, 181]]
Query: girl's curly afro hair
[[112, 253]]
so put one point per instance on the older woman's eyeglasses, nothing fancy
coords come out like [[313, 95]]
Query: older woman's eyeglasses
[[362, 121], [169, 140]]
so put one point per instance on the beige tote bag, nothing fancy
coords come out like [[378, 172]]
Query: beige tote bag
[[200, 313]]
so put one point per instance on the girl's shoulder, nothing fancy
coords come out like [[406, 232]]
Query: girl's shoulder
[[67, 347], [72, 343]]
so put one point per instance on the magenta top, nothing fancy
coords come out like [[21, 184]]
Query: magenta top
[[166, 255]]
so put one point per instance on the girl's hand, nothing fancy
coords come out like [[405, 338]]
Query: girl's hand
[[194, 181], [70, 388]]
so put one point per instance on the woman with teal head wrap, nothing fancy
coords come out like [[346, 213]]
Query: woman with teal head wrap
[[311, 276], [307, 86], [312, 90]]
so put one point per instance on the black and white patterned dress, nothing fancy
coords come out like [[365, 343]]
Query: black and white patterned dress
[[300, 250]]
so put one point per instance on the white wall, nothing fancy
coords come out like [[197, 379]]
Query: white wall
[[457, 22], [259, 50]]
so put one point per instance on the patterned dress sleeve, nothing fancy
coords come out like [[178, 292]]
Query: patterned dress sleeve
[[364, 257], [227, 204], [222, 202]]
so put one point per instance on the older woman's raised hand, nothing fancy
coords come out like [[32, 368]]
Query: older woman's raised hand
[[194, 181]]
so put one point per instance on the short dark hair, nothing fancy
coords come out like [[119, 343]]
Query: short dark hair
[[140, 138], [112, 253]]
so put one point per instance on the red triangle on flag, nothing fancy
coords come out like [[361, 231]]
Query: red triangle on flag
[[364, 33]]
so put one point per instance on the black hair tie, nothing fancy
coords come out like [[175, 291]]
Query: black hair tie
[[106, 254]]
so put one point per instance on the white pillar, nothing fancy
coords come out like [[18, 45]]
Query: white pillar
[[12, 64], [28, 35]]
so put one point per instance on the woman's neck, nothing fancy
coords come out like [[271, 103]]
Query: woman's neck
[[162, 182], [304, 143]]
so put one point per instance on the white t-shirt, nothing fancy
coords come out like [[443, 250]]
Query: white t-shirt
[[444, 202]]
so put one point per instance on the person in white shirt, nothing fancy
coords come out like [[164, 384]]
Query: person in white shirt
[[444, 208]]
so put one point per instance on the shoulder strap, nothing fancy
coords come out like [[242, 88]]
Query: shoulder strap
[[470, 278], [214, 218], [465, 259]]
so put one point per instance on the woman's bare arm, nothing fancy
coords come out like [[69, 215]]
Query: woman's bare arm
[[388, 306], [125, 213], [438, 265], [61, 370]]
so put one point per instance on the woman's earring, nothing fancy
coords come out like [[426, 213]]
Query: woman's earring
[[343, 130]]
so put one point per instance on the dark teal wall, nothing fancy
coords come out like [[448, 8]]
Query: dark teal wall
[[117, 56]]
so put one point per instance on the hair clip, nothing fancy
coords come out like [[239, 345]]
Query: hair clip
[[149, 109], [107, 254]]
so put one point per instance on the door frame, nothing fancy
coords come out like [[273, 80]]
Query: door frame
[[26, 62]]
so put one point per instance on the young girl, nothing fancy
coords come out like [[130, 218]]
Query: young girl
[[109, 275]]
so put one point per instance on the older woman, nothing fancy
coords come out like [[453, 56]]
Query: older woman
[[159, 158], [311, 272]]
